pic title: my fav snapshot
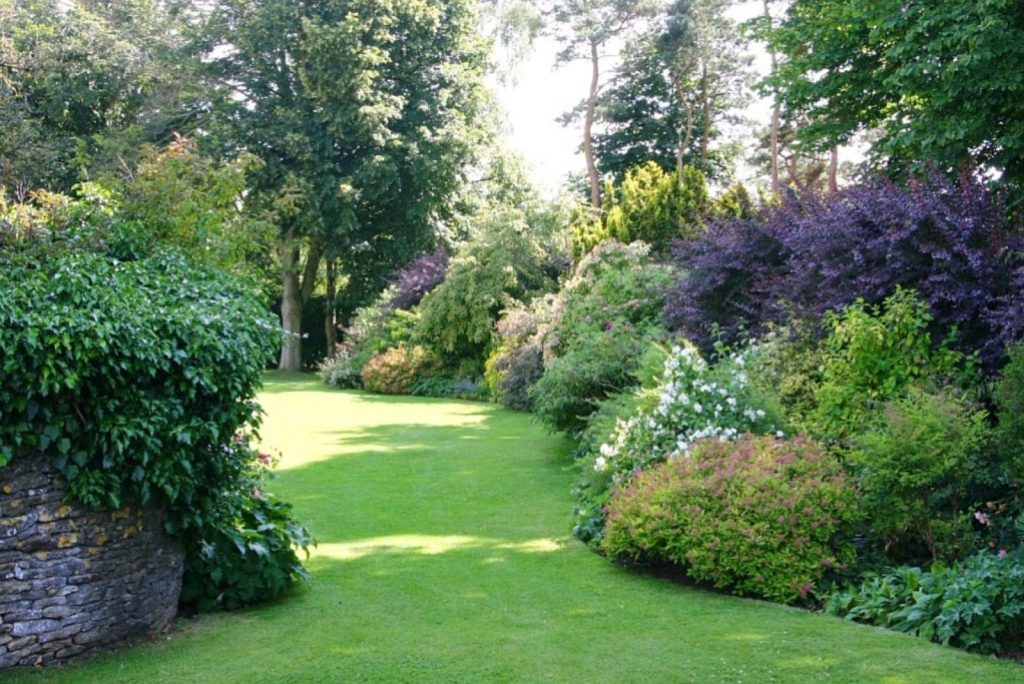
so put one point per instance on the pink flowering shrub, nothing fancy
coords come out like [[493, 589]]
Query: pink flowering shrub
[[395, 370], [760, 516]]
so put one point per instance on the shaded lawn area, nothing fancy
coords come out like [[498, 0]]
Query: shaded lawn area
[[444, 556]]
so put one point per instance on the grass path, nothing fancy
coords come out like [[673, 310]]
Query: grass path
[[444, 557]]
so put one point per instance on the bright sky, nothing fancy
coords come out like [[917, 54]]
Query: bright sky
[[543, 93]]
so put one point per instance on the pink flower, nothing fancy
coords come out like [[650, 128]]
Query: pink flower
[[256, 493], [265, 458], [981, 517], [608, 327], [1002, 553]]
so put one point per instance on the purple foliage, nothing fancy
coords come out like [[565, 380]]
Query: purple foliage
[[422, 275], [951, 242]]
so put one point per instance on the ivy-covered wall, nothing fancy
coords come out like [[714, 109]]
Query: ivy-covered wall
[[73, 579]]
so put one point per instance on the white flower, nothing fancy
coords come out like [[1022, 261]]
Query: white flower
[[600, 465], [697, 408]]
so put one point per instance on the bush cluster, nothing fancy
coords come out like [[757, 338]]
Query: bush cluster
[[950, 241]]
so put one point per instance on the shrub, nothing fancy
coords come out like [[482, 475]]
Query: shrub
[[597, 328], [761, 516], [951, 242], [373, 329], [977, 604], [503, 267], [595, 366], [915, 469], [692, 401], [654, 206], [448, 388], [412, 283], [510, 375], [1009, 402], [135, 377], [249, 553], [345, 369], [870, 357], [395, 370]]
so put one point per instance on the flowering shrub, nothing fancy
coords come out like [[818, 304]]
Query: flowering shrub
[[693, 401], [977, 604], [761, 516], [395, 370]]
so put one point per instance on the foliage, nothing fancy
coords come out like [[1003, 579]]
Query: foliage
[[760, 516], [195, 204], [599, 325], [395, 370], [448, 388], [788, 365], [871, 356], [367, 114], [914, 470], [248, 554], [502, 267], [691, 401], [135, 378], [595, 365], [1008, 397], [952, 243], [977, 604], [510, 375], [654, 207], [373, 329], [938, 80], [412, 283], [84, 86]]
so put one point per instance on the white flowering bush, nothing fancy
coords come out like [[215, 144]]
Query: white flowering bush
[[693, 401]]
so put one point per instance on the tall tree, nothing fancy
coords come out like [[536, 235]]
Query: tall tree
[[364, 112], [585, 27], [940, 80], [676, 86]]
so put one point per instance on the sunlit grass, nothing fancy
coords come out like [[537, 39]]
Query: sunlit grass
[[444, 556]]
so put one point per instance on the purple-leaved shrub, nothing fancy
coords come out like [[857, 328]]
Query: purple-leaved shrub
[[950, 241]]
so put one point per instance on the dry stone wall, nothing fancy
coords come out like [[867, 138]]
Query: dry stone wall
[[73, 579]]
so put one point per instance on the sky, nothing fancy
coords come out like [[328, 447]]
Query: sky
[[541, 93]]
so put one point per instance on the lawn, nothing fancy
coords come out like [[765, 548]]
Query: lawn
[[444, 556]]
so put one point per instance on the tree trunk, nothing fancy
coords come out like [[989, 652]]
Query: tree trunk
[[705, 115], [776, 117], [291, 308], [685, 135], [833, 171], [330, 314], [296, 293], [588, 126]]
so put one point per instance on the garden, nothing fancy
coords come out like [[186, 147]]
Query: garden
[[302, 333]]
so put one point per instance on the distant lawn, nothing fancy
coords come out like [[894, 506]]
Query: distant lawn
[[444, 557]]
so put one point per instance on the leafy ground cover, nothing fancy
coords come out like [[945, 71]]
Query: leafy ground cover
[[444, 555]]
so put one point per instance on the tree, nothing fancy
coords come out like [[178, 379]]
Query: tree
[[940, 80], [84, 84], [677, 83], [365, 115], [585, 27]]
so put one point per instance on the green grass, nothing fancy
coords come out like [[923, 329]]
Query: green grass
[[444, 557]]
